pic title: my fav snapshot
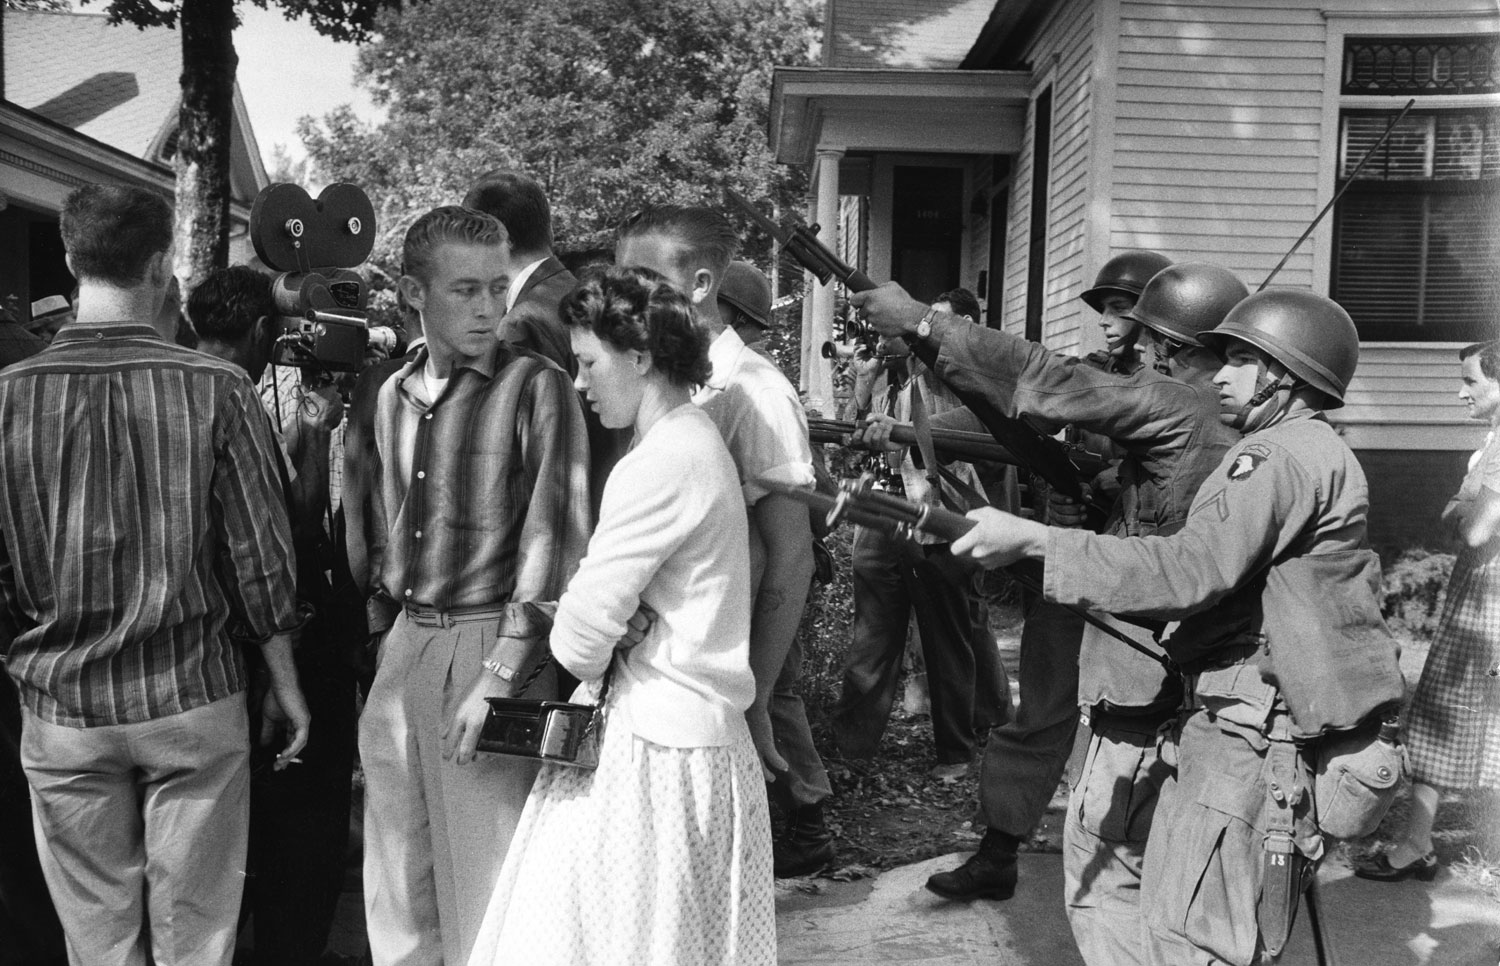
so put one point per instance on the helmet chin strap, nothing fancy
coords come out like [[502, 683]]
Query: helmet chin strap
[[1162, 350], [1266, 388]]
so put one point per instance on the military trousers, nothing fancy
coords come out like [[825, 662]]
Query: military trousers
[[1203, 884], [1111, 808], [1025, 757]]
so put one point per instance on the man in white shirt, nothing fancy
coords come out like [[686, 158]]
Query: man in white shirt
[[762, 422]]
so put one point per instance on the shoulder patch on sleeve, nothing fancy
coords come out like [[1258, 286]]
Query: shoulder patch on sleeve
[[1247, 461]]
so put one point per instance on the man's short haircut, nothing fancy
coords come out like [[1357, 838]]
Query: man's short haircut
[[705, 234], [962, 302], [635, 308], [226, 304], [111, 231], [1489, 357], [518, 200], [453, 224]]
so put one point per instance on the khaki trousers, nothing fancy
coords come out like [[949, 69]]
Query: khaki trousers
[[1110, 813], [436, 833], [141, 829]]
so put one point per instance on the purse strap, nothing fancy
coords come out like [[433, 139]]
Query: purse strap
[[541, 666]]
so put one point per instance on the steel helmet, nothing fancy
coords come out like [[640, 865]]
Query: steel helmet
[[1309, 334], [746, 288], [1185, 300], [1126, 273]]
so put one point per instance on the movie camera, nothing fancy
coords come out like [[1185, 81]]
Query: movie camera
[[853, 337], [315, 245]]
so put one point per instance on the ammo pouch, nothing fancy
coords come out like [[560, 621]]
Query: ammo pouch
[[1334, 660], [1356, 774]]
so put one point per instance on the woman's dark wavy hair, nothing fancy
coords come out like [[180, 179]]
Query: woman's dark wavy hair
[[635, 308]]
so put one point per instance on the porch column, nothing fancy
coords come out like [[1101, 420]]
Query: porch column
[[809, 285], [818, 373]]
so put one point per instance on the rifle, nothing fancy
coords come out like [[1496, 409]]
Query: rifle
[[1044, 456], [859, 502], [949, 444]]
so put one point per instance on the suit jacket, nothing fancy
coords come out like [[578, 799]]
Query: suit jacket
[[533, 321]]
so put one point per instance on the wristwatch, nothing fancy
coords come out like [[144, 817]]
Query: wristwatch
[[924, 327], [502, 671]]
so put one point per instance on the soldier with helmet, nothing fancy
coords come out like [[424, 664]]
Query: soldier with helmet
[[1164, 418], [1280, 640], [1116, 288], [745, 304]]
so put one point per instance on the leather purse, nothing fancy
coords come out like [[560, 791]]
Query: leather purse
[[561, 732]]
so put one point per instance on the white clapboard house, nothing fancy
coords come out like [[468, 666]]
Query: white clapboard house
[[1012, 146]]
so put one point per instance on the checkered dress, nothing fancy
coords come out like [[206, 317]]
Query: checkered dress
[[1453, 724]]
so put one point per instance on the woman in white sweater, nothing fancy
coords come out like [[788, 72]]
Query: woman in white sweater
[[662, 854]]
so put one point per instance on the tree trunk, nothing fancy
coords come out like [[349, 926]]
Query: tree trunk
[[202, 161]]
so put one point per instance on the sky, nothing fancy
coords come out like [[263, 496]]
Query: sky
[[287, 70]]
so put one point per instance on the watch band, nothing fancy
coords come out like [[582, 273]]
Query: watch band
[[924, 327], [501, 671]]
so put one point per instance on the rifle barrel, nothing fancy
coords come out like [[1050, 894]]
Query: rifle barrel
[[893, 515]]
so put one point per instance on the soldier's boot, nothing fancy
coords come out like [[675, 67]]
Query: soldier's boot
[[989, 873], [806, 845]]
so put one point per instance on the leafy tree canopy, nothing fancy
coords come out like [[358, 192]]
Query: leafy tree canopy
[[611, 104], [340, 19], [54, 6]]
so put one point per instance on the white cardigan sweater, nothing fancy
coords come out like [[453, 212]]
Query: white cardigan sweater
[[672, 533]]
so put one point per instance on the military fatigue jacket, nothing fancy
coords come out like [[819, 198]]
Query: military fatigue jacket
[[1285, 495], [1171, 439]]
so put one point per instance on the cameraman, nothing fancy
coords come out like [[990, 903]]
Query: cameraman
[[299, 817]]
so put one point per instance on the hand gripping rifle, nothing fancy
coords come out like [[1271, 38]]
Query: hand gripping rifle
[[859, 502], [1031, 448]]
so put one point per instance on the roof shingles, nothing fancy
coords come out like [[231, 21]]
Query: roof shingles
[[51, 54]]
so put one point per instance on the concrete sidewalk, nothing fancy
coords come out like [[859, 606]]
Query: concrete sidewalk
[[895, 920]]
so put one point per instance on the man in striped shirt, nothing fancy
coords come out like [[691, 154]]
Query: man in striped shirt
[[481, 515], [141, 518]]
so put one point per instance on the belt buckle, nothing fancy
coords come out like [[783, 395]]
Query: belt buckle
[[431, 618]]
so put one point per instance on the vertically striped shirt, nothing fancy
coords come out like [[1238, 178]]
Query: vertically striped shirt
[[141, 511], [493, 507]]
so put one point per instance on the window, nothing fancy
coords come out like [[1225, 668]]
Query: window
[[1417, 235]]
